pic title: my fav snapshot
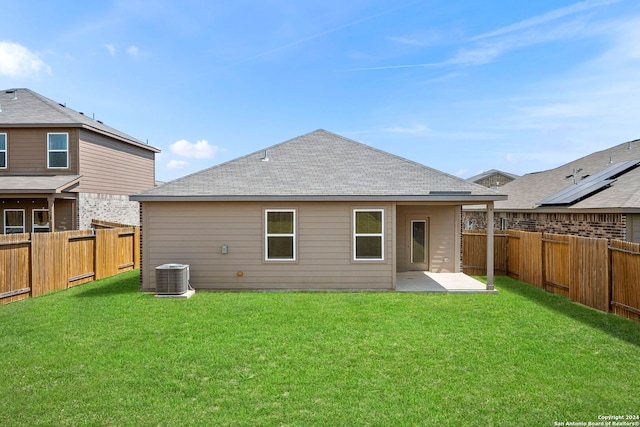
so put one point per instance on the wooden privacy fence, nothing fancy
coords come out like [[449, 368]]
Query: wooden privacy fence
[[598, 273], [33, 264]]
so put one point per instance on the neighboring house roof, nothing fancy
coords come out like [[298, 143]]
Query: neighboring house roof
[[37, 184], [25, 108], [489, 173], [539, 191], [320, 166]]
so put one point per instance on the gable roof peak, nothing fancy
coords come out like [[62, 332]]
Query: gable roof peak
[[318, 165]]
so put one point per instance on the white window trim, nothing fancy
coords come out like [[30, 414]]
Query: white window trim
[[57, 151], [381, 235], [12, 227], [33, 221], [5, 151], [267, 235]]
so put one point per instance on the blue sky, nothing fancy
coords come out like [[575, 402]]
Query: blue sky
[[461, 86]]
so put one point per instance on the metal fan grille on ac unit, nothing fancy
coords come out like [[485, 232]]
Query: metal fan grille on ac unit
[[172, 279]]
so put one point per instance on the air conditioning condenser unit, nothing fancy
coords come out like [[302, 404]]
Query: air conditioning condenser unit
[[172, 279]]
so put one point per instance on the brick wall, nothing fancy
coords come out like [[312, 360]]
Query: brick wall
[[106, 207], [608, 226]]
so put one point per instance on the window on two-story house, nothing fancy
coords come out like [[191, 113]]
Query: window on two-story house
[[41, 222], [13, 221], [3, 150], [57, 150]]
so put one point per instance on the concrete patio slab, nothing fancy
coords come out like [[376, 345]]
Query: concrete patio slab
[[426, 281]]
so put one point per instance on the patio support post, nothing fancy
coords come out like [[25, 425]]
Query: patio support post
[[490, 246], [52, 214]]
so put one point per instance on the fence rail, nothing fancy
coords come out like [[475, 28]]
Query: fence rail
[[598, 273], [33, 264]]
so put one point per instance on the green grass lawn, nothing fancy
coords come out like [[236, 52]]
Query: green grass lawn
[[105, 354]]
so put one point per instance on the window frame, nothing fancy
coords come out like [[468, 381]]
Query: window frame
[[40, 228], [5, 151], [292, 235], [49, 150], [4, 219], [355, 257]]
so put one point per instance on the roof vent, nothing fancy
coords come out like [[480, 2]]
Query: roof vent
[[266, 156], [15, 95]]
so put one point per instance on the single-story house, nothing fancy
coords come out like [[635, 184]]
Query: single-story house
[[319, 211], [597, 195]]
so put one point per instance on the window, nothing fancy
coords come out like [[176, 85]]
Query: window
[[40, 222], [13, 221], [504, 224], [3, 150], [280, 235], [368, 234], [58, 150]]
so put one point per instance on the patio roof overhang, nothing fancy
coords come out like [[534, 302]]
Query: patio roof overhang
[[27, 185]]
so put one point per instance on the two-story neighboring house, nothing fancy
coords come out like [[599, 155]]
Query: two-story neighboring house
[[59, 168]]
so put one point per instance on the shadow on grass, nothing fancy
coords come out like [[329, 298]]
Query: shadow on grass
[[616, 326], [124, 283]]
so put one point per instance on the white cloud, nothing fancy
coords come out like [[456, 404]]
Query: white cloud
[[487, 47], [18, 61], [429, 37], [177, 164], [414, 130], [200, 150], [547, 17], [111, 48], [133, 52]]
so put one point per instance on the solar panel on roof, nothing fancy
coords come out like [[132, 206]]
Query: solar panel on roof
[[590, 184], [613, 171], [576, 192]]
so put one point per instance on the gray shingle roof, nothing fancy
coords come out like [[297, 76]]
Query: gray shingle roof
[[525, 192], [37, 184], [491, 172], [320, 165], [24, 107]]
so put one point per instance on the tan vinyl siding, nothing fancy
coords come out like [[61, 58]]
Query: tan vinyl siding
[[442, 222], [112, 167], [27, 151], [633, 228], [193, 233]]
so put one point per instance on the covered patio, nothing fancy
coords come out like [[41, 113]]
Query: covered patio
[[426, 281]]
